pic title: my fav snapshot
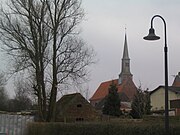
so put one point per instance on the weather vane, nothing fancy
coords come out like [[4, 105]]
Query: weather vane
[[125, 28]]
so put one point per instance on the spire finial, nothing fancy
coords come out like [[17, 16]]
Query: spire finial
[[125, 28]]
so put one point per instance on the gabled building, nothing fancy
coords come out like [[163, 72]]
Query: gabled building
[[124, 83], [74, 108], [157, 97]]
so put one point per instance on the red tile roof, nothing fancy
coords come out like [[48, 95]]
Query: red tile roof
[[176, 82], [128, 87]]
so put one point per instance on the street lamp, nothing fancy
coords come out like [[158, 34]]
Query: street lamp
[[152, 36]]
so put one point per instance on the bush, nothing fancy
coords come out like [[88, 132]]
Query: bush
[[111, 128]]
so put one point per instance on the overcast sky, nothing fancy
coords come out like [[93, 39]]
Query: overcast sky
[[104, 29]]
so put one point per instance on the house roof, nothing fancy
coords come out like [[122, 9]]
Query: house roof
[[170, 88], [64, 102], [127, 87], [176, 82]]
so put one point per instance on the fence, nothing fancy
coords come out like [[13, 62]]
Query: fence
[[14, 124]]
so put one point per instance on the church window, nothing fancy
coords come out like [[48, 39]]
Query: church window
[[127, 64]]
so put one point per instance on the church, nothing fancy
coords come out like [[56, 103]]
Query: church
[[126, 87]]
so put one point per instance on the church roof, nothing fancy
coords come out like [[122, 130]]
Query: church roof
[[127, 87]]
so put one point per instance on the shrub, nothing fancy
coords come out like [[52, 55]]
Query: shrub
[[107, 128]]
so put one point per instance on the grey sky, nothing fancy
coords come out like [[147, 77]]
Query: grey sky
[[104, 29]]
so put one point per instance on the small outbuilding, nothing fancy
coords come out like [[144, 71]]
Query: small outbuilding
[[75, 108]]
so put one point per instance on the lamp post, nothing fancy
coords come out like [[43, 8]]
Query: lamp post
[[151, 36]]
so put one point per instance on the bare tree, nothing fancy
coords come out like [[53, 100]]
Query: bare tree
[[3, 93], [43, 38], [22, 100], [2, 80], [25, 37]]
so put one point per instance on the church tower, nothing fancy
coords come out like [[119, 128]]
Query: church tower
[[125, 70], [125, 85]]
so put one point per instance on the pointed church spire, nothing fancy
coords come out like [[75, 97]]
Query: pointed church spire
[[125, 71], [125, 53]]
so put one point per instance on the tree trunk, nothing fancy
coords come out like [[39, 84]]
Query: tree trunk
[[52, 105]]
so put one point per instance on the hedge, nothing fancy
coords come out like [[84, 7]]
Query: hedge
[[100, 129]]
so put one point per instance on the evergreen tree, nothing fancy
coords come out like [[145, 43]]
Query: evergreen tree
[[112, 102]]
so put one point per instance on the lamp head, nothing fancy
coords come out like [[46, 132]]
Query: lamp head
[[151, 35]]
